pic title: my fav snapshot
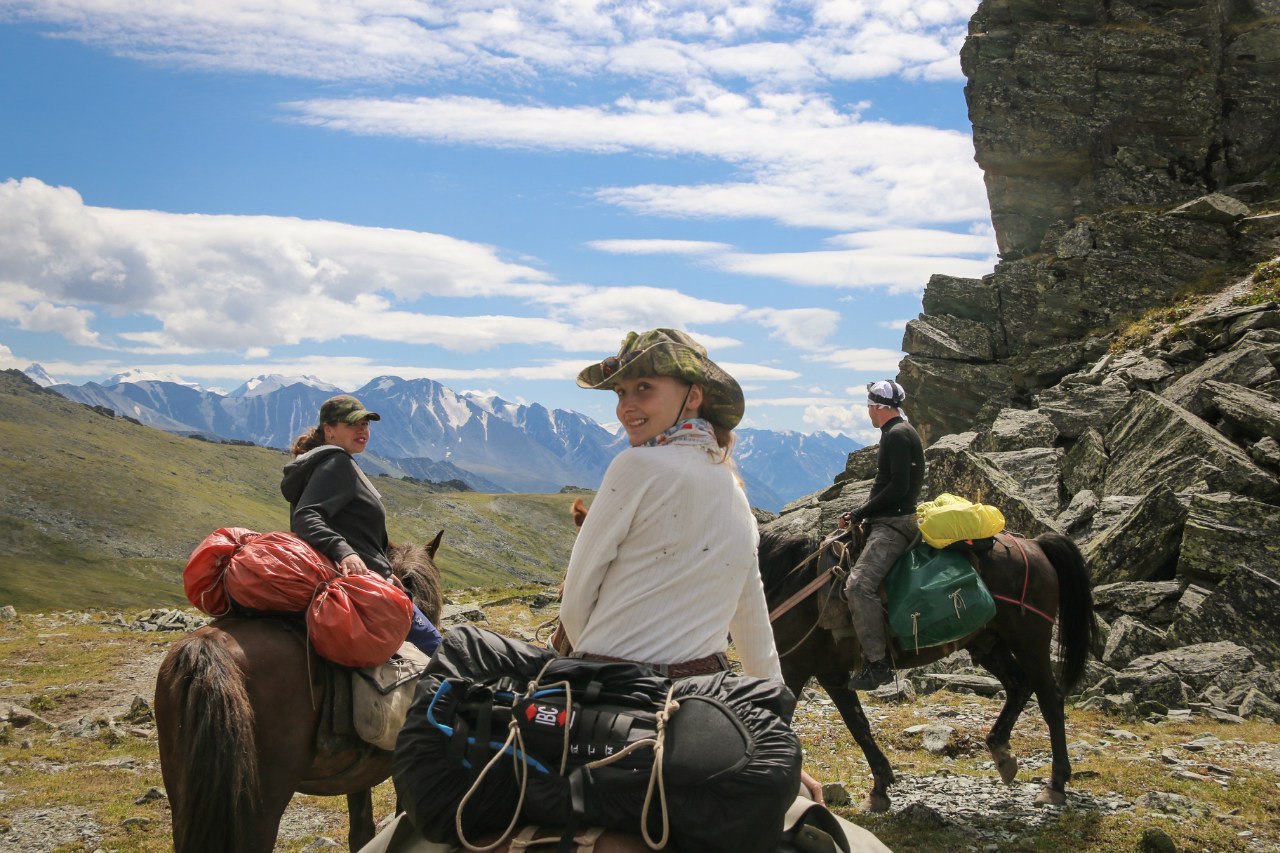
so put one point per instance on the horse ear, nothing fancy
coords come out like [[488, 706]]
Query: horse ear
[[579, 512], [434, 545]]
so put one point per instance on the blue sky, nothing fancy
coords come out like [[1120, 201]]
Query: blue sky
[[488, 194]]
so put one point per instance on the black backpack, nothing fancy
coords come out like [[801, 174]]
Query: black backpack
[[503, 733]]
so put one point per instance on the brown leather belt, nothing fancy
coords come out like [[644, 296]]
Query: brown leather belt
[[699, 666]]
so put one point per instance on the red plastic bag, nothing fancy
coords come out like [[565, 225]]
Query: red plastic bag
[[359, 620], [204, 577], [278, 573]]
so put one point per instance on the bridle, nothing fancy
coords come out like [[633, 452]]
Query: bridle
[[839, 543]]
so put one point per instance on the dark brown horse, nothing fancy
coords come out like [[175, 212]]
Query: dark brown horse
[[237, 710], [1033, 581]]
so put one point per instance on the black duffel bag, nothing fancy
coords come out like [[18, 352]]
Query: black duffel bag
[[503, 733]]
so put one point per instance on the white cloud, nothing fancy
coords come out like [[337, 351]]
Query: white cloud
[[658, 247], [70, 323], [236, 282], [801, 160], [899, 325], [868, 268], [871, 359], [802, 328], [760, 41], [850, 420]]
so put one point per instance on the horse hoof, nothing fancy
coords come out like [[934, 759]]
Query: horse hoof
[[874, 804], [1006, 764], [1049, 797]]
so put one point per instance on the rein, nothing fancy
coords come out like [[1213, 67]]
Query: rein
[[813, 585]]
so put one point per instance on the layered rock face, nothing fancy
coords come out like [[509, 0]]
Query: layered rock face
[[1123, 145], [1132, 155]]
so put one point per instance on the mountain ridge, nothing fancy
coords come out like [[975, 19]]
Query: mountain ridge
[[431, 431]]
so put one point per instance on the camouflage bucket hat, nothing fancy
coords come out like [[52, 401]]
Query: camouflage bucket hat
[[345, 409], [668, 352]]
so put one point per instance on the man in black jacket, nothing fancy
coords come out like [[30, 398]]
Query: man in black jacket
[[889, 518]]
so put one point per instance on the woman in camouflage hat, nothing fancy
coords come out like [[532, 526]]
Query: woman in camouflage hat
[[335, 508], [664, 567]]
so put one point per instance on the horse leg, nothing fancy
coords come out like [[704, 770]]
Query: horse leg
[[859, 726], [1000, 663], [359, 818], [1038, 670]]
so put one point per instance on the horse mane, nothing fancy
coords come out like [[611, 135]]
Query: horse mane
[[417, 570], [779, 553]]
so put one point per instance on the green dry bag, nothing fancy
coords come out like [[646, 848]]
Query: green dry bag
[[935, 596]]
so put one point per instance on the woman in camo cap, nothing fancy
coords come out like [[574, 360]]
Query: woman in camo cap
[[665, 564]]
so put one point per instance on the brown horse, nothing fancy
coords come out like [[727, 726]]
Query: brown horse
[[1033, 581], [237, 708]]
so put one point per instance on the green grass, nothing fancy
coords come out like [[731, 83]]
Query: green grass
[[1264, 285], [99, 512]]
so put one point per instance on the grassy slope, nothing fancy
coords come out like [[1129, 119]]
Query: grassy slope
[[101, 512]]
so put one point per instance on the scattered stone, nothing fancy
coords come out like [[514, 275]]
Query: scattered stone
[[1174, 804], [322, 843], [982, 685], [899, 690], [152, 793], [8, 612], [136, 822], [1256, 704], [139, 711], [1214, 207], [835, 794], [460, 614], [1156, 840], [169, 620]]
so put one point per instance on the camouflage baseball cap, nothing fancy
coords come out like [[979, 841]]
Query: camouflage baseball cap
[[669, 352], [345, 409]]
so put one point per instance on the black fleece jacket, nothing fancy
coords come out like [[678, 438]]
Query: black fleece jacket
[[335, 508], [899, 473]]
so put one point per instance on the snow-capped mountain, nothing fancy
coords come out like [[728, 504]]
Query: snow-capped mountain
[[429, 431], [37, 374], [138, 375], [270, 382]]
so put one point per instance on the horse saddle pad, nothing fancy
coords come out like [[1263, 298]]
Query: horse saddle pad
[[381, 695], [935, 596]]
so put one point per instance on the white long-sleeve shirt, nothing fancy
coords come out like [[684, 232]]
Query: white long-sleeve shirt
[[665, 565]]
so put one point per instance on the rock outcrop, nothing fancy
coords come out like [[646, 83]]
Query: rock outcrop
[[1125, 147], [1132, 160]]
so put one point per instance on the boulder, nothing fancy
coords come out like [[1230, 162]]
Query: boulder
[[1245, 414], [1243, 610], [972, 476], [862, 464], [1224, 532], [1077, 407], [1146, 374], [1038, 470], [1256, 704], [1266, 453], [1198, 664], [1018, 429], [1214, 207], [1153, 682], [950, 338], [1153, 602], [1246, 366], [1128, 639], [966, 298], [1190, 600], [1085, 465], [1157, 441], [982, 685], [953, 396], [1143, 544], [1079, 513]]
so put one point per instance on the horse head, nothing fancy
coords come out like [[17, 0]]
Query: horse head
[[415, 566]]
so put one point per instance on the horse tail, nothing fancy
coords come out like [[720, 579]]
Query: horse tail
[[217, 747], [1075, 605]]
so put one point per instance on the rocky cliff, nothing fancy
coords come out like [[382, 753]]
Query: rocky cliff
[[1117, 377], [1131, 152]]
